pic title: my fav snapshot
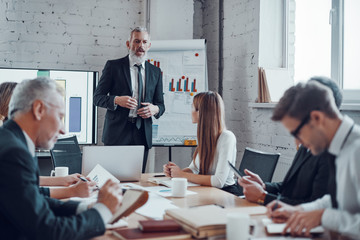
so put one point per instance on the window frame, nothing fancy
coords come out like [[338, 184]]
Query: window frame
[[336, 19]]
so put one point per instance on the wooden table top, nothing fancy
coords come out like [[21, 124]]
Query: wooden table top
[[204, 196]]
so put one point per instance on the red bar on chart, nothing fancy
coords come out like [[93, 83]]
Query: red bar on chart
[[194, 86], [180, 89], [158, 64], [172, 85], [155, 63], [187, 85]]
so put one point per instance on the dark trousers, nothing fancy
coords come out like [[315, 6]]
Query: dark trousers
[[134, 136]]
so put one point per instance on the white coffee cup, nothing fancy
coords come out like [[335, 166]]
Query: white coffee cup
[[60, 172], [178, 187], [237, 226]]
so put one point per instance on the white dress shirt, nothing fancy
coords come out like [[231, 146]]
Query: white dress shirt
[[221, 174], [104, 211], [134, 83], [346, 147]]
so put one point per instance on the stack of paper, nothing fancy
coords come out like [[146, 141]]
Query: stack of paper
[[208, 220]]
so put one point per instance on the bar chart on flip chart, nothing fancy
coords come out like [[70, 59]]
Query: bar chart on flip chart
[[184, 70]]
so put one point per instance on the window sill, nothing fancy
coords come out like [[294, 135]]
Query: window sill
[[344, 107]]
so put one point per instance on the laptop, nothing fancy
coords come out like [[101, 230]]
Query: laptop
[[124, 162]]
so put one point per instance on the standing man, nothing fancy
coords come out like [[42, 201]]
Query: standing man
[[36, 113], [131, 90], [309, 112]]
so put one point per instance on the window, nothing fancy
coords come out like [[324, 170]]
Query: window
[[327, 43], [351, 44], [312, 39], [80, 117]]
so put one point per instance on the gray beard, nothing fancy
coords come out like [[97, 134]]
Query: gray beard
[[136, 59]]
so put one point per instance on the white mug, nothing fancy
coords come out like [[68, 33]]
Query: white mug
[[60, 172], [237, 226], [178, 187]]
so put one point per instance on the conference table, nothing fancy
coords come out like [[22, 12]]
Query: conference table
[[208, 196]]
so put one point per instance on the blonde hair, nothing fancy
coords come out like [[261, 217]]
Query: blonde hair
[[211, 124]]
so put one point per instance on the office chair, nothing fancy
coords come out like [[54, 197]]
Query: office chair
[[66, 153], [258, 162]]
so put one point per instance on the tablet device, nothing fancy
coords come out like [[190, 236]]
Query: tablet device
[[237, 172]]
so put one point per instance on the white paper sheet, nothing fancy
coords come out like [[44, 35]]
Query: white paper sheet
[[100, 175], [155, 207]]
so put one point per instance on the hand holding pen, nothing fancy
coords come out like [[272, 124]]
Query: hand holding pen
[[276, 205], [280, 212], [86, 180]]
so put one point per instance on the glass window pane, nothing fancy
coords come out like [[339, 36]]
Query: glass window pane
[[351, 44], [312, 39]]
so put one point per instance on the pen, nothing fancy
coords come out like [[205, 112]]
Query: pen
[[85, 180], [277, 202], [161, 175]]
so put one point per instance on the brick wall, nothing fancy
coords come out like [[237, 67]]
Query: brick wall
[[74, 35]]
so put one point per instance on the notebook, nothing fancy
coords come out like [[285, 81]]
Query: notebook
[[124, 162]]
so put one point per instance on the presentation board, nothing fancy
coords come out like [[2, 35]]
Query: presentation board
[[184, 70]]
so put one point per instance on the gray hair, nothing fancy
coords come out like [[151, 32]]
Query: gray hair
[[26, 92], [139, 29]]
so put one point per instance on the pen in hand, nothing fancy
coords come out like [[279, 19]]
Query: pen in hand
[[277, 202], [85, 180]]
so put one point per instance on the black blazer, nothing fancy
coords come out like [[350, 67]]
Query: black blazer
[[24, 212], [115, 81], [306, 180]]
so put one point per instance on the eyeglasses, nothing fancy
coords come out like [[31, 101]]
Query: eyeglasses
[[302, 123]]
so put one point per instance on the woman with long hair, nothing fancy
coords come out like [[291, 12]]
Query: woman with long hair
[[216, 146], [6, 90]]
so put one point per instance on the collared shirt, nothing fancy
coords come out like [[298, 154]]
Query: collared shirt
[[134, 83], [104, 211], [346, 147]]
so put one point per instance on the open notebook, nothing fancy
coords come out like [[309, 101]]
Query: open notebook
[[166, 181], [132, 200]]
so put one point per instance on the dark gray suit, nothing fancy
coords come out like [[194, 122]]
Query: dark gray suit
[[24, 212], [306, 180], [116, 81]]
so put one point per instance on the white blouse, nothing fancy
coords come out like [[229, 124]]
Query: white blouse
[[222, 175]]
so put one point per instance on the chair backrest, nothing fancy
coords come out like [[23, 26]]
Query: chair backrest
[[66, 153], [261, 163]]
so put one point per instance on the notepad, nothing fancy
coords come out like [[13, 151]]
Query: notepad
[[278, 228], [100, 175], [166, 181]]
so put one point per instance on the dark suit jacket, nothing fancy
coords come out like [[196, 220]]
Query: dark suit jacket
[[24, 212], [115, 81], [306, 180]]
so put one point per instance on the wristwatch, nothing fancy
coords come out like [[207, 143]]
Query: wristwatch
[[262, 198]]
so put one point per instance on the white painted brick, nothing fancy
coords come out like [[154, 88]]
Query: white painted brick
[[19, 16], [77, 29]]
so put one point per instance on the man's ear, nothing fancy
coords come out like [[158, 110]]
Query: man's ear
[[38, 109], [128, 44], [317, 118]]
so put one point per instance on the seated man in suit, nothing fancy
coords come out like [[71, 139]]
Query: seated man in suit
[[309, 113], [35, 120], [307, 178]]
